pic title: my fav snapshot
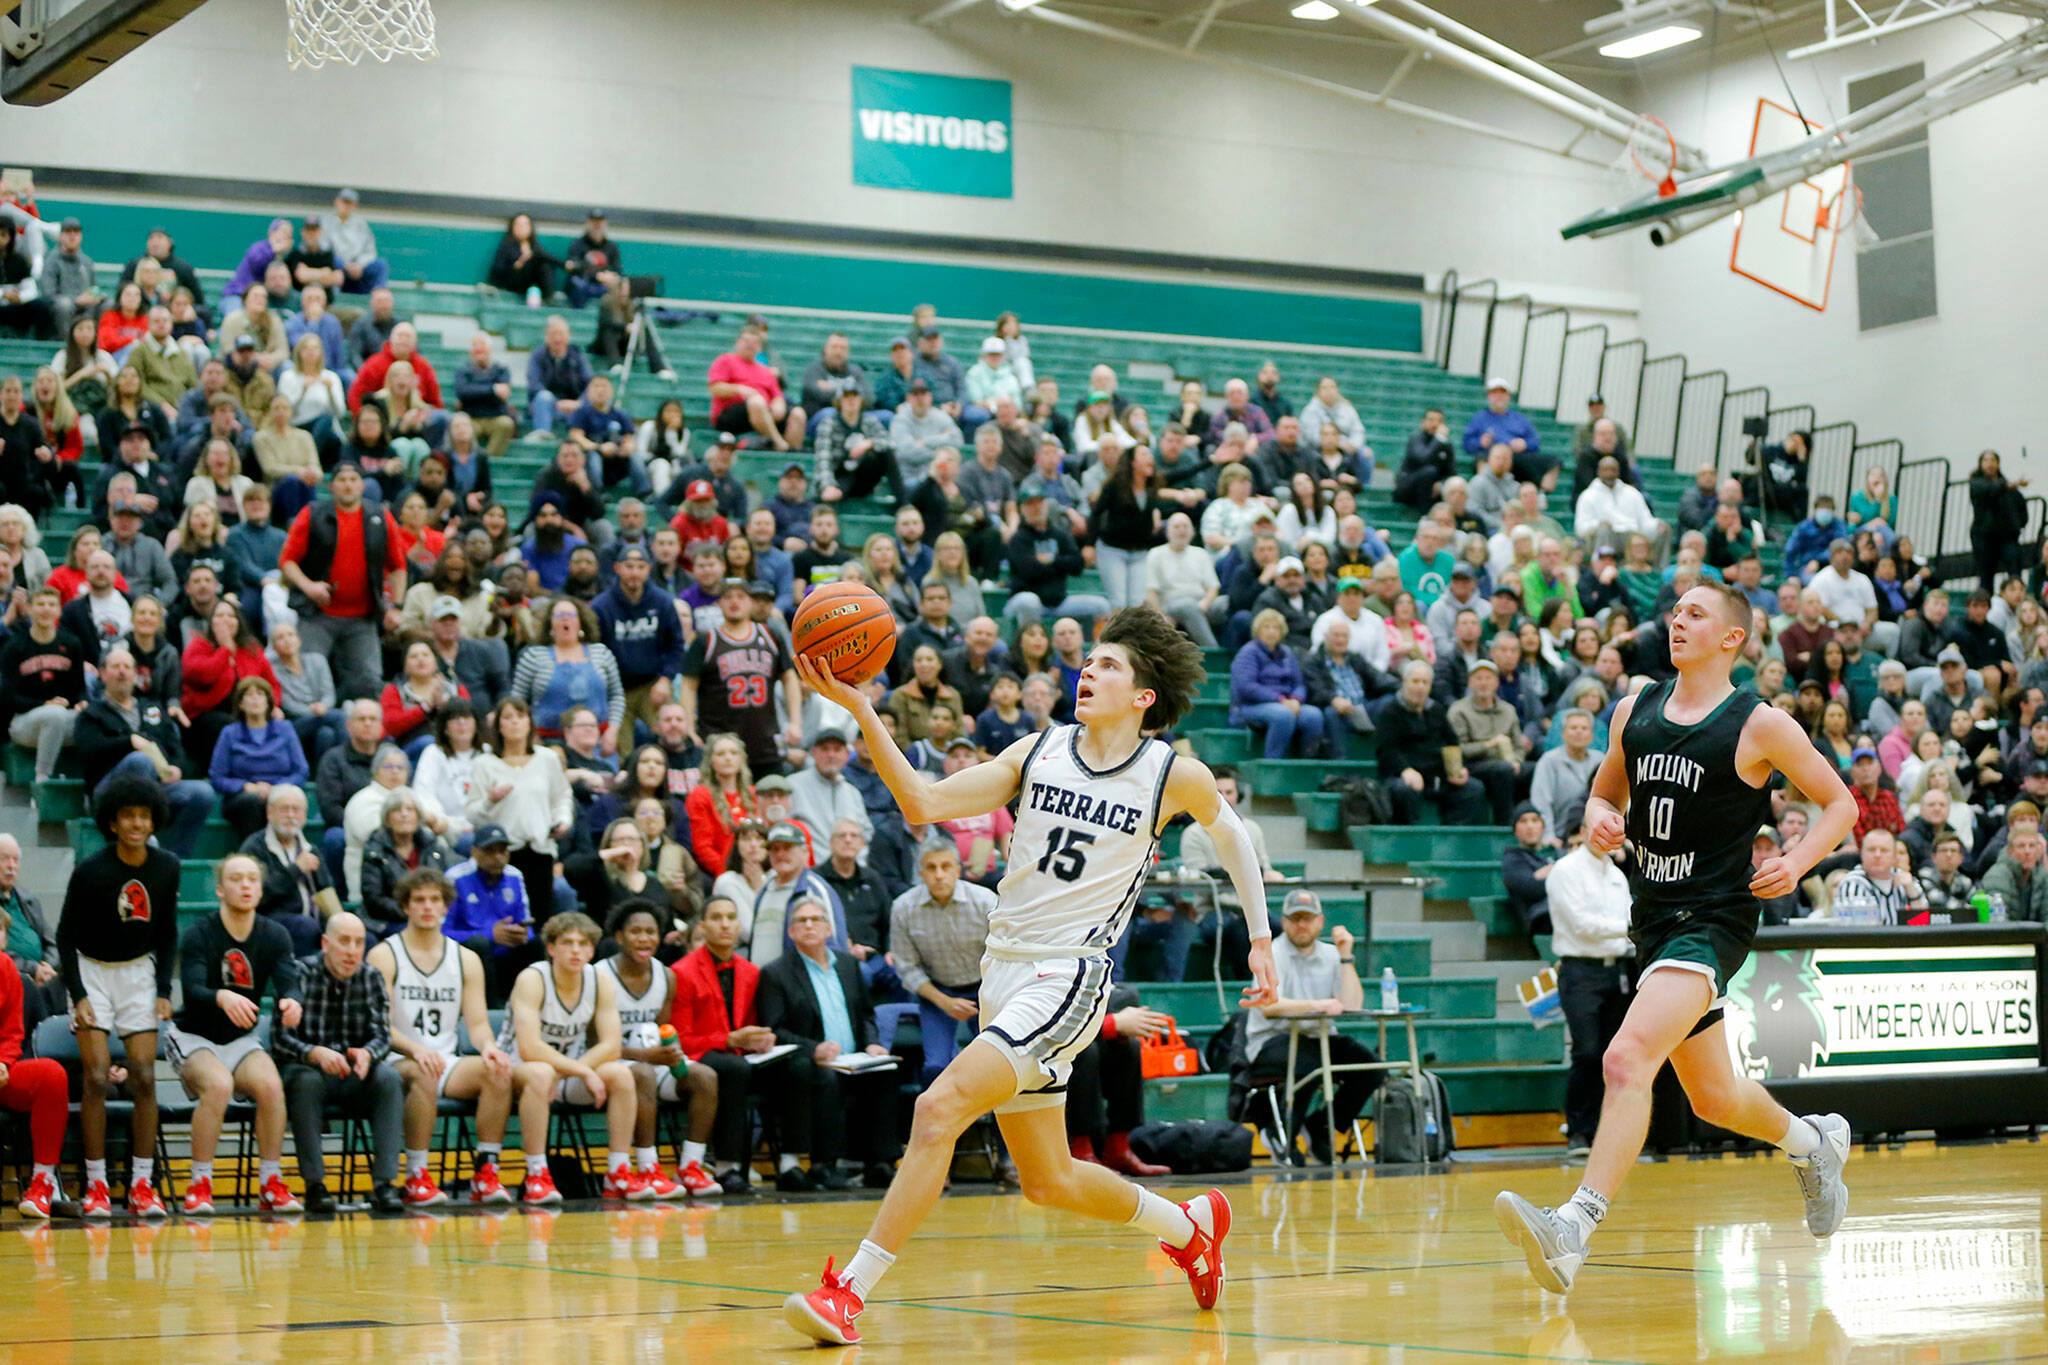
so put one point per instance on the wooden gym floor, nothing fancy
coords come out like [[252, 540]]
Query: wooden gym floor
[[1706, 1260]]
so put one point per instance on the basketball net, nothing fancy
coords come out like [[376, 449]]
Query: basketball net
[[346, 31], [1843, 211], [1651, 154]]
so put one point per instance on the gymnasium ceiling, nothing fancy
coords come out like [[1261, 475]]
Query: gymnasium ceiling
[[1551, 30]]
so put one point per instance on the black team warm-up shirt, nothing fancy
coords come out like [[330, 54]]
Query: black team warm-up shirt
[[117, 913], [212, 960]]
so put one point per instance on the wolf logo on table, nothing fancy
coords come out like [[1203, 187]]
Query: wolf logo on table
[[1775, 1025]]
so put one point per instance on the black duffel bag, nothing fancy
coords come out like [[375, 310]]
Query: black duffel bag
[[1194, 1146]]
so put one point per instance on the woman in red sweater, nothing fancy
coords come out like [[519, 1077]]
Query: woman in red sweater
[[411, 703], [212, 664], [126, 323], [719, 802]]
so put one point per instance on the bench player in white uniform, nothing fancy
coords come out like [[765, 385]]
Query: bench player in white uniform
[[646, 993], [1093, 798], [562, 1033], [436, 986]]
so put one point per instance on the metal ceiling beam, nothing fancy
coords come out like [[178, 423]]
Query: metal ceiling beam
[[2019, 60], [1596, 117], [1849, 22], [945, 11], [1514, 60], [1045, 15], [1208, 17]]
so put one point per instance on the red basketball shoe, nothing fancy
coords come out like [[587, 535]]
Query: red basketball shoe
[[1202, 1257], [825, 1314], [422, 1193]]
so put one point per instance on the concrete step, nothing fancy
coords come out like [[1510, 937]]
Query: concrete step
[[1448, 942], [1334, 864]]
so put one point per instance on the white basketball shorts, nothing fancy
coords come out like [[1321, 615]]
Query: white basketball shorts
[[1042, 1014]]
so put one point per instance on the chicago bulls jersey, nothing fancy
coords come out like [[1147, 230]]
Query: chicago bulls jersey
[[1084, 841], [737, 682]]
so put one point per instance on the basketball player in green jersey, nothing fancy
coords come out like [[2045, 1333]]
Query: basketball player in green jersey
[[1685, 785]]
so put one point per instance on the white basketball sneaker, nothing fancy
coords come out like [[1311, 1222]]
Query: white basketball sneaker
[[1820, 1175], [1550, 1242]]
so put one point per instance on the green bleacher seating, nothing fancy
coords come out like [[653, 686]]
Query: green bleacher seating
[[1285, 776], [1427, 843]]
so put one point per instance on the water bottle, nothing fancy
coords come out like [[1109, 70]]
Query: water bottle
[[533, 296], [1390, 990], [1980, 903], [1997, 908]]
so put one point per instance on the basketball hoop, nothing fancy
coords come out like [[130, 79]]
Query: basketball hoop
[[1843, 212], [1653, 152], [346, 31]]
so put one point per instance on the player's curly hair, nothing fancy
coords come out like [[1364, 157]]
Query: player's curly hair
[[126, 792], [1162, 659]]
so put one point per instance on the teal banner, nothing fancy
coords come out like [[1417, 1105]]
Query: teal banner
[[938, 134]]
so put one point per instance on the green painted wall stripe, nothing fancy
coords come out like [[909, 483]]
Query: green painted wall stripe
[[216, 238], [1932, 1054], [2019, 961]]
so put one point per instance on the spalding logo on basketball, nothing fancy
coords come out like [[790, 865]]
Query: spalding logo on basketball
[[848, 628]]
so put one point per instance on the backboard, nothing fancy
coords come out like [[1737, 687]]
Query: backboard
[[1786, 242]]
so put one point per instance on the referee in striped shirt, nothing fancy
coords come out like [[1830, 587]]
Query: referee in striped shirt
[[1878, 891]]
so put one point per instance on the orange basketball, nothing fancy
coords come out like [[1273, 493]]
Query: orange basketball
[[849, 627]]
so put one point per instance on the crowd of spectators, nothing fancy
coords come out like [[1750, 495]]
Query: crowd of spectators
[[300, 600]]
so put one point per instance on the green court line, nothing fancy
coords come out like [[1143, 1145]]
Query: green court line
[[1188, 1331]]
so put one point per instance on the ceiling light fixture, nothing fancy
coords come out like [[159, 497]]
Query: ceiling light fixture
[[1653, 41], [1314, 9]]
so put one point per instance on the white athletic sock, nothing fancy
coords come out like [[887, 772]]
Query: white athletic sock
[[866, 1269], [1164, 1219], [201, 1170], [267, 1169], [785, 1162], [1801, 1140], [96, 1171], [141, 1168], [693, 1151], [415, 1161], [616, 1161], [41, 1169], [1586, 1208], [644, 1158]]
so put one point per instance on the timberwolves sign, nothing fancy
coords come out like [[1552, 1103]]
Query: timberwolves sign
[[938, 134], [1853, 1012]]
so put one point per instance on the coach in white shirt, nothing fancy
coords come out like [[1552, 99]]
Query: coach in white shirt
[[1610, 511], [1589, 908]]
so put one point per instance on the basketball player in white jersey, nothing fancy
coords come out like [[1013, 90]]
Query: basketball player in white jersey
[[434, 983], [562, 1032], [646, 991], [1092, 799]]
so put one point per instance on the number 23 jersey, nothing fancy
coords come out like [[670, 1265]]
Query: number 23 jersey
[[1083, 843]]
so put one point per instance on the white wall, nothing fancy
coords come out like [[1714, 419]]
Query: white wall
[[743, 108], [1947, 386]]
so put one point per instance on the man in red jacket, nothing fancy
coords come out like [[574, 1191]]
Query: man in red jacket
[[403, 345], [35, 1087], [715, 1024]]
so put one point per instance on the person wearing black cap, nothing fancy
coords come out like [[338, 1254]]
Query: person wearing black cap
[[313, 261], [68, 280], [854, 451], [920, 429], [595, 261], [638, 623], [943, 373]]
